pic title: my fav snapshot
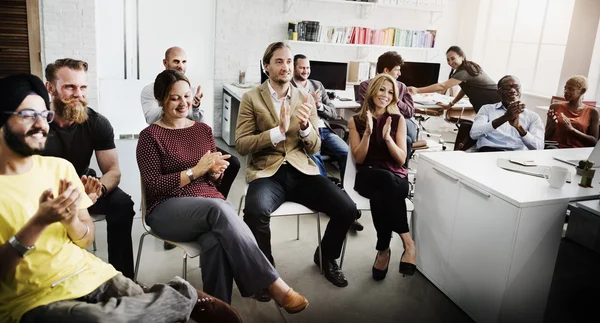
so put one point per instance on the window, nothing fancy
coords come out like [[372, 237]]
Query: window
[[528, 38]]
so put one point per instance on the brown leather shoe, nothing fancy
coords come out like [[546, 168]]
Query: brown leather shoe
[[293, 302], [211, 309]]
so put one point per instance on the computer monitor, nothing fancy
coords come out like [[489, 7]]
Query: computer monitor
[[419, 74], [331, 74]]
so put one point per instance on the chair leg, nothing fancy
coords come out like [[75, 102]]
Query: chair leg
[[240, 207], [94, 245], [297, 227], [319, 237], [139, 256], [185, 266], [343, 251]]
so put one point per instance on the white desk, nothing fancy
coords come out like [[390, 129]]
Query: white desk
[[487, 237], [430, 100]]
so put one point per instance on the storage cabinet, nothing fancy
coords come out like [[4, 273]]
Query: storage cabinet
[[231, 107]]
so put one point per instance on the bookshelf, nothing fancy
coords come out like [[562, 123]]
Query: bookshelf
[[356, 45], [432, 6]]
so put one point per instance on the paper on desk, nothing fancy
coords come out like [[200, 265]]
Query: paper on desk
[[537, 171]]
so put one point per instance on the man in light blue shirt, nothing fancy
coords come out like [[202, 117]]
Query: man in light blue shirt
[[507, 125]]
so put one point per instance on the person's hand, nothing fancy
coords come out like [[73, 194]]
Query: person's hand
[[220, 164], [513, 111], [317, 97], [444, 106], [303, 113], [284, 117], [198, 97], [93, 187], [413, 90], [552, 115], [60, 209], [387, 128], [207, 162], [369, 124], [567, 122]]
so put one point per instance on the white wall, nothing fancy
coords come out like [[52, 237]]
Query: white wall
[[162, 24], [68, 29], [245, 28]]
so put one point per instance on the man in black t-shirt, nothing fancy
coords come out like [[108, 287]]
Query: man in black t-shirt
[[76, 133]]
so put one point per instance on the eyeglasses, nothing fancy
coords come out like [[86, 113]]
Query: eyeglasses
[[31, 116], [507, 87]]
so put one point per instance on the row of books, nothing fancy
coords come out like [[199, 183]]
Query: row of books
[[314, 32]]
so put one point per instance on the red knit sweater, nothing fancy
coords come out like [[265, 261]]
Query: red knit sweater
[[162, 154]]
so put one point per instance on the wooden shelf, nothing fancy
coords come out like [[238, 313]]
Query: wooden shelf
[[368, 7]]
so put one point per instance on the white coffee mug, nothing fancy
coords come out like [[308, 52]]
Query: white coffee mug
[[557, 176]]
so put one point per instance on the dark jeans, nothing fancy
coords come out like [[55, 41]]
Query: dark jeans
[[230, 173], [117, 206], [386, 192], [316, 192], [333, 146]]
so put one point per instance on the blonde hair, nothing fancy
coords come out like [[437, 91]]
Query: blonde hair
[[373, 90], [580, 81]]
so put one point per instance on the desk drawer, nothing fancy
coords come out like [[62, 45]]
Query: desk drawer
[[226, 105]]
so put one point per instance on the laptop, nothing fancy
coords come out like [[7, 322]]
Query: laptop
[[594, 156]]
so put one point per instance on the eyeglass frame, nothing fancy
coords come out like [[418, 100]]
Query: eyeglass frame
[[516, 86], [49, 115]]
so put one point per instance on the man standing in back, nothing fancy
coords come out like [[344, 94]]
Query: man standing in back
[[76, 133]]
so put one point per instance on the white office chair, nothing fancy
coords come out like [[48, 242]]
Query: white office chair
[[297, 209], [96, 218], [362, 203], [190, 249]]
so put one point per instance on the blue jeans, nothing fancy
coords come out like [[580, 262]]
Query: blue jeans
[[333, 146]]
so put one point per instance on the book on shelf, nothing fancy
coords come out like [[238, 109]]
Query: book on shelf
[[313, 31]]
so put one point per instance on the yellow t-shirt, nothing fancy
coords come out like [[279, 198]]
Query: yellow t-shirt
[[55, 256]]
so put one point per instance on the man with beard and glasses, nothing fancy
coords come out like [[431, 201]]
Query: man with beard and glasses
[[507, 125], [277, 128], [76, 133], [46, 275]]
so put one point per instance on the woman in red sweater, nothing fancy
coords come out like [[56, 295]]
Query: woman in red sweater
[[180, 168], [573, 124]]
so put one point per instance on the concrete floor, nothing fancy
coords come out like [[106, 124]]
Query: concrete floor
[[395, 299]]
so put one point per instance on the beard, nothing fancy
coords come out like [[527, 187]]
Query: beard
[[72, 110], [17, 142]]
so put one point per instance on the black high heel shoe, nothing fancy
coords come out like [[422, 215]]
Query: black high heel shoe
[[379, 274], [406, 268]]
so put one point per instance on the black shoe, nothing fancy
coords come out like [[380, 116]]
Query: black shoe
[[331, 271], [358, 214], [379, 274], [169, 246], [406, 268], [262, 296], [356, 226]]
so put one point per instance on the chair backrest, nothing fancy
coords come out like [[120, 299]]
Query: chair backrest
[[559, 99], [144, 204], [356, 92], [350, 172]]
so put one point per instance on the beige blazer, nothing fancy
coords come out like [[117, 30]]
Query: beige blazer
[[257, 117]]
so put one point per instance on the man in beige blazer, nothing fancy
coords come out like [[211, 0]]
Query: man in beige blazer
[[276, 128]]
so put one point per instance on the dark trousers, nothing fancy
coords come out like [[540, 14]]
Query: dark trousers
[[487, 149], [316, 192], [230, 173], [386, 192], [118, 208]]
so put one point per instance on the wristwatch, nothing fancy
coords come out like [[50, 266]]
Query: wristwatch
[[190, 174], [21, 249]]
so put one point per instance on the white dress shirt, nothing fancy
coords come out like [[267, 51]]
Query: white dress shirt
[[506, 136], [275, 133]]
